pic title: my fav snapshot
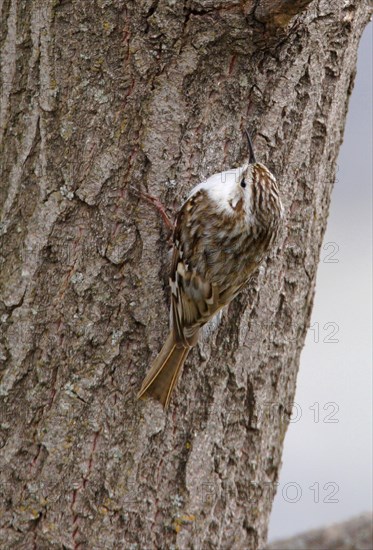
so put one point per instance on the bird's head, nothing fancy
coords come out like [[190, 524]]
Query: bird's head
[[259, 189]]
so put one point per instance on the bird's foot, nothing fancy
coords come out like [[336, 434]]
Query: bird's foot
[[156, 202]]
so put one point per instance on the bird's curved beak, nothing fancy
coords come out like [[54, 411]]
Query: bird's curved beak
[[251, 148]]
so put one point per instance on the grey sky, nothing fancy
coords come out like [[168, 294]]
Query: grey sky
[[327, 459]]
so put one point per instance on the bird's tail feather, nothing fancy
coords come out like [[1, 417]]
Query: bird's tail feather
[[164, 372]]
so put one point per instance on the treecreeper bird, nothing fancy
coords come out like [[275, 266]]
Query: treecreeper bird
[[222, 232]]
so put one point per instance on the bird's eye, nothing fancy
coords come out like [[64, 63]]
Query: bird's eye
[[243, 183]]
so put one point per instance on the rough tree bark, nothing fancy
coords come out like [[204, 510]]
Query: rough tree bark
[[99, 96]]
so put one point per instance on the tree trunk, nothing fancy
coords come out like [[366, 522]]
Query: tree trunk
[[98, 98]]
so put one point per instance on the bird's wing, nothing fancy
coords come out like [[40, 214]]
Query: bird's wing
[[194, 299]]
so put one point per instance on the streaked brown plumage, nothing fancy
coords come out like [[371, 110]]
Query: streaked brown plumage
[[222, 233]]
